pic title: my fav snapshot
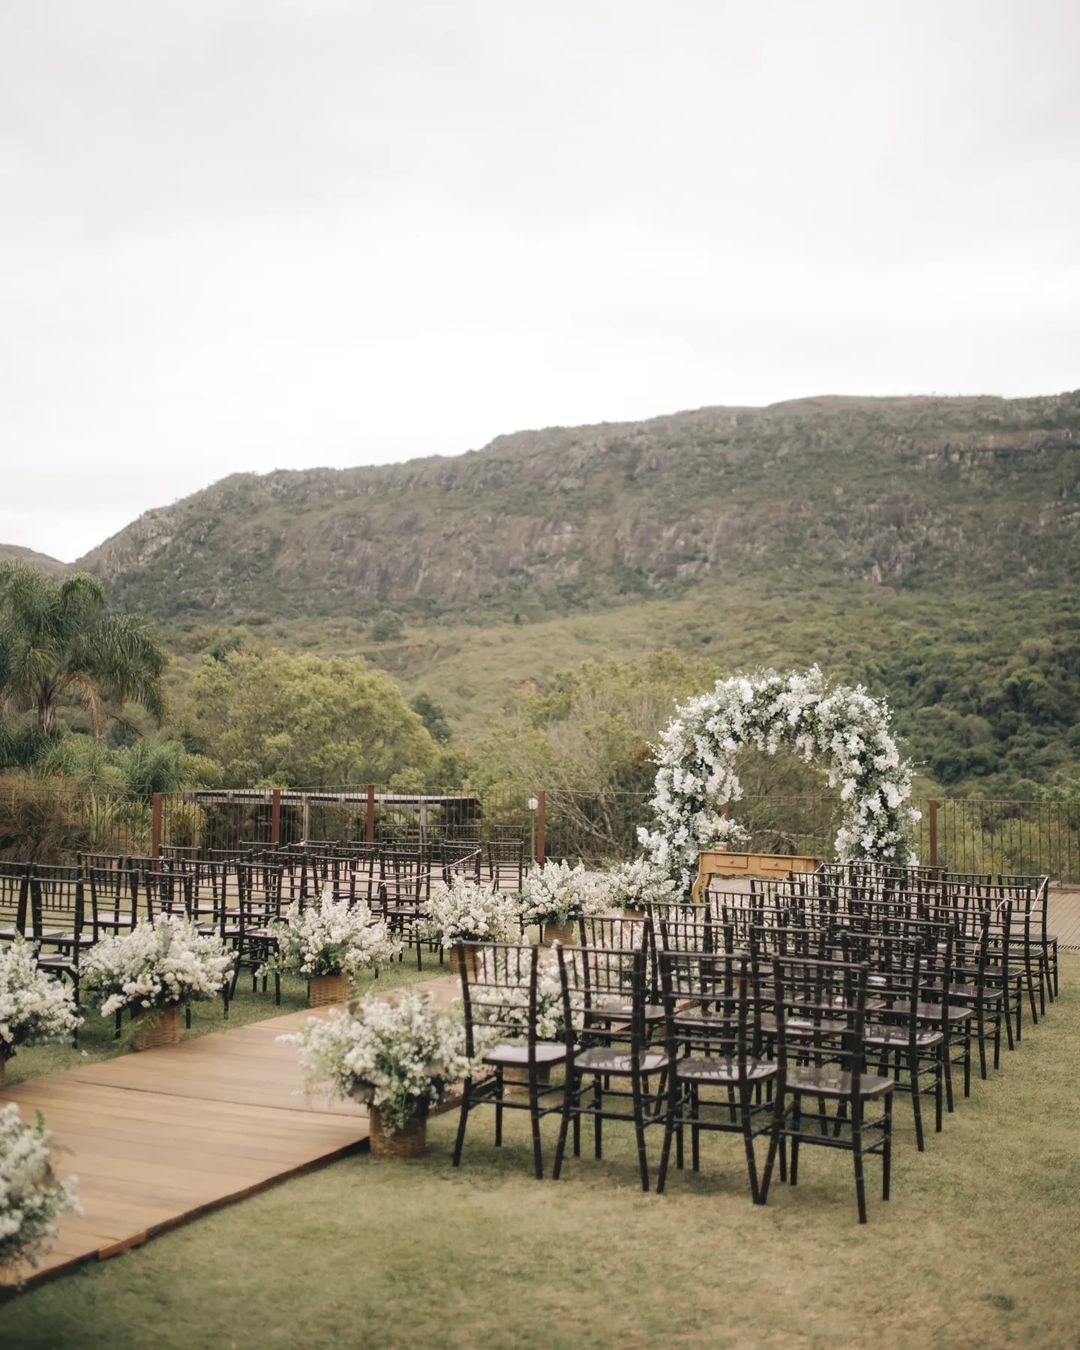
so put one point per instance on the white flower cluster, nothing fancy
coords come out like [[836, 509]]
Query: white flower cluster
[[508, 1004], [332, 938], [400, 1057], [640, 883], [34, 1008], [557, 893], [32, 1199], [157, 964], [465, 911], [845, 728]]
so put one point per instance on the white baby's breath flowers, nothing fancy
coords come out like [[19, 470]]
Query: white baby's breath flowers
[[32, 1198], [401, 1057], [34, 1007], [157, 964], [557, 893], [332, 937], [640, 883], [845, 728], [465, 911]]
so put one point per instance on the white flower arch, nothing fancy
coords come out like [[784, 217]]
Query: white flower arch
[[845, 728]]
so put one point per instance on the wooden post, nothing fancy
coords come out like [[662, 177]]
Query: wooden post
[[541, 806], [370, 832], [275, 818], [724, 809], [933, 833], [155, 825]]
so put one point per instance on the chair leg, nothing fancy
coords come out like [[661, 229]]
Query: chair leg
[[568, 1105], [639, 1131], [796, 1126], [980, 1031], [498, 1106], [916, 1097], [857, 1155], [947, 1059], [534, 1119], [598, 1132], [459, 1141], [748, 1141], [886, 1152]]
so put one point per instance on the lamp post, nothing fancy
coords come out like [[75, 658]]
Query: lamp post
[[533, 805]]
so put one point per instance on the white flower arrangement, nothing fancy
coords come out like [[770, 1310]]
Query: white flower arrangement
[[331, 938], [34, 1008], [32, 1198], [557, 893], [401, 1057], [845, 728], [640, 883], [465, 911], [157, 964], [509, 1006]]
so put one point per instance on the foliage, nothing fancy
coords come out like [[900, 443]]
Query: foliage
[[269, 717], [331, 938], [31, 1197], [388, 627], [640, 883], [58, 640], [155, 965], [845, 728], [556, 893], [465, 911], [399, 1057], [40, 821], [432, 716], [33, 1007]]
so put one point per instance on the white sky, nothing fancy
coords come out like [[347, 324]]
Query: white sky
[[255, 234]]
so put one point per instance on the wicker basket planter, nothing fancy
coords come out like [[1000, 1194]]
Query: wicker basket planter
[[157, 1027], [516, 1080], [566, 933], [328, 990], [629, 912], [470, 962], [406, 1143]]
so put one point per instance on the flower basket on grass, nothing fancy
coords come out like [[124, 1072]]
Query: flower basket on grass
[[464, 911], [398, 1059], [32, 1198], [329, 943], [155, 970], [636, 885], [34, 1008], [556, 894]]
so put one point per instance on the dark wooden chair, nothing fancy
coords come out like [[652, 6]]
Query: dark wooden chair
[[15, 918], [499, 990]]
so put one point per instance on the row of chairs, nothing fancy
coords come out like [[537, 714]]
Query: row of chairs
[[796, 1024]]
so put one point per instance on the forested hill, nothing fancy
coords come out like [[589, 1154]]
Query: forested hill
[[912, 493], [42, 561]]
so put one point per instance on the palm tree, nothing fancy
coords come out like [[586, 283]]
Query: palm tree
[[56, 640]]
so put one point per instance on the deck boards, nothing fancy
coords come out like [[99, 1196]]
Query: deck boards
[[159, 1136]]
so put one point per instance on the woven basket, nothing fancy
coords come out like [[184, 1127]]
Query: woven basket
[[629, 912], [327, 990], [156, 1028], [516, 1080], [470, 962], [406, 1143], [566, 933]]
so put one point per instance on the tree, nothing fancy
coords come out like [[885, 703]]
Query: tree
[[271, 717], [433, 717], [58, 640]]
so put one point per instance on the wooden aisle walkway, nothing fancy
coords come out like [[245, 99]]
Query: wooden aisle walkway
[[158, 1137]]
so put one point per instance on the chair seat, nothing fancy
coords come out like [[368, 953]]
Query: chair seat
[[57, 962], [700, 1069], [212, 929], [899, 1036], [262, 934], [619, 1010], [610, 1059], [805, 1026], [508, 1052], [10, 934], [834, 1083], [931, 1012], [66, 939]]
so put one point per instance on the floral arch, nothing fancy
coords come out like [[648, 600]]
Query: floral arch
[[845, 729]]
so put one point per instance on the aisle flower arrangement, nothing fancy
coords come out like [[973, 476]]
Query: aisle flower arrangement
[[34, 1008], [465, 911], [556, 894], [331, 937], [640, 883], [398, 1058], [157, 966], [32, 1198]]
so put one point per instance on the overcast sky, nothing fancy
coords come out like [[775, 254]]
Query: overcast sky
[[254, 234]]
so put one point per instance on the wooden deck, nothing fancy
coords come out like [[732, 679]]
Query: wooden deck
[[1063, 918], [158, 1137]]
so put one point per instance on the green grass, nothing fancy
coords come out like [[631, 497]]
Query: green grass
[[96, 1039], [976, 1248]]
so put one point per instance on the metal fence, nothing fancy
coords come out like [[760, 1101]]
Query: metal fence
[[54, 821]]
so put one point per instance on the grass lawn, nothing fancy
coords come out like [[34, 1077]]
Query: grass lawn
[[978, 1246], [96, 1039]]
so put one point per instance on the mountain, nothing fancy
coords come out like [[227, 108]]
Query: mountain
[[909, 493], [42, 561]]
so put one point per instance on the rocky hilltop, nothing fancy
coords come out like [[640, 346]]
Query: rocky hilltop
[[911, 492]]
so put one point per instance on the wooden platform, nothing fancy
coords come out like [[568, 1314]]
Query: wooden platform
[[1064, 917], [158, 1137]]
